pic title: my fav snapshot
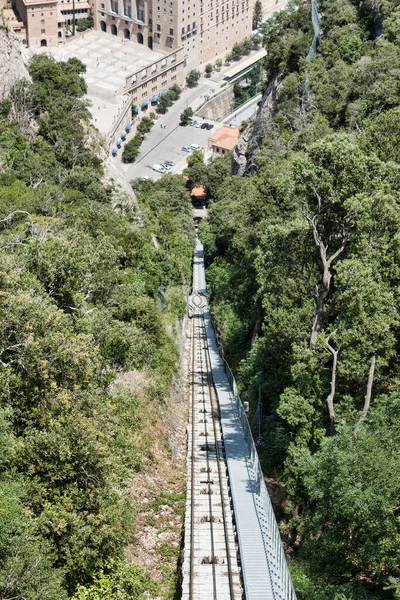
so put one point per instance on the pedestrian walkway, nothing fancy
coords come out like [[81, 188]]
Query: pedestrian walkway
[[264, 569]]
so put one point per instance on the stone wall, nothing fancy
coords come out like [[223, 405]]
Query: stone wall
[[218, 107]]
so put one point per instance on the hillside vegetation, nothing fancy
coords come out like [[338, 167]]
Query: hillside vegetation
[[303, 258], [88, 289]]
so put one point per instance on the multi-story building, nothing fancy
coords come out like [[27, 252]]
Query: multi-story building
[[41, 21], [44, 21], [205, 29]]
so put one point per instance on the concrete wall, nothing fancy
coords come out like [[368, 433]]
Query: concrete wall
[[219, 107]]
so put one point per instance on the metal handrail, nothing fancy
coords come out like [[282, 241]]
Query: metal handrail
[[279, 571]]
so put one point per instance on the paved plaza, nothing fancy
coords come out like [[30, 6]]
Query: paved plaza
[[109, 60]]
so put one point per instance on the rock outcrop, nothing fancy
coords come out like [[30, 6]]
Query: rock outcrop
[[12, 67], [253, 136]]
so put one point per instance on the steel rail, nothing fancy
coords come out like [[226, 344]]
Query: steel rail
[[192, 470], [201, 374], [203, 348]]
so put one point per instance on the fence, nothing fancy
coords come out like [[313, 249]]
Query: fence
[[282, 586]]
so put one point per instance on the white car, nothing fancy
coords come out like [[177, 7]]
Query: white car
[[187, 148], [159, 168], [195, 147], [199, 124]]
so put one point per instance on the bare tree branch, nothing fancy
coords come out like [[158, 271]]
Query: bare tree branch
[[15, 212], [367, 399], [331, 396]]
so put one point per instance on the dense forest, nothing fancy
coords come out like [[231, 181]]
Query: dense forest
[[303, 255], [92, 284]]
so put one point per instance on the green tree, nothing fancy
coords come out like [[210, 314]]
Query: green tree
[[192, 78], [257, 14], [208, 69], [186, 116], [131, 148]]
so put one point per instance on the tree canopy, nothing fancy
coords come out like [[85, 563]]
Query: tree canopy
[[303, 269]]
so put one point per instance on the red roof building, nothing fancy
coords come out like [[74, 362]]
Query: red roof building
[[224, 139]]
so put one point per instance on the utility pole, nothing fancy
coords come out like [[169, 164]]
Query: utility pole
[[73, 17]]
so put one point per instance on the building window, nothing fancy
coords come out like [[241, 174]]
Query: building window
[[171, 31], [114, 6], [42, 31], [128, 8], [42, 22]]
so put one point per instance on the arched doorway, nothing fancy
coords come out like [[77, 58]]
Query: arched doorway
[[59, 34], [127, 34], [43, 43], [114, 30], [140, 38], [103, 26], [150, 42]]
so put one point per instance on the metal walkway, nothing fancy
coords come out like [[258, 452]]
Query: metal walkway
[[264, 569]]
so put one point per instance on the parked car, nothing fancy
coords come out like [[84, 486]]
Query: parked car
[[192, 123], [204, 125], [210, 126], [166, 166], [187, 148], [195, 147], [159, 168], [169, 162], [198, 124]]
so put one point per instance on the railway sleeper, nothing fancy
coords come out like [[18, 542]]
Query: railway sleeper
[[209, 519], [210, 560]]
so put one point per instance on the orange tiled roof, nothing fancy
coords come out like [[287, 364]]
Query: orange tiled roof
[[226, 137], [198, 192]]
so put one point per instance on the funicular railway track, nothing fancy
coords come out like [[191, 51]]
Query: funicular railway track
[[220, 441], [211, 570]]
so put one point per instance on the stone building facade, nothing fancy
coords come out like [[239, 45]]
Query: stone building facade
[[155, 79], [41, 21], [205, 29]]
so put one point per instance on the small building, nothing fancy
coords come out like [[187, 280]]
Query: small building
[[198, 195], [224, 139]]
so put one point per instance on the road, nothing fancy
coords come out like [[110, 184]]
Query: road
[[166, 144], [165, 140]]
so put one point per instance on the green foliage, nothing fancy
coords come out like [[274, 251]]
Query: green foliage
[[131, 148], [169, 98], [192, 78], [186, 116], [257, 14], [303, 256], [84, 292], [119, 581]]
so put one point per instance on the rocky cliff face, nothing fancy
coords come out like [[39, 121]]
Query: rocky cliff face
[[12, 67], [253, 136]]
